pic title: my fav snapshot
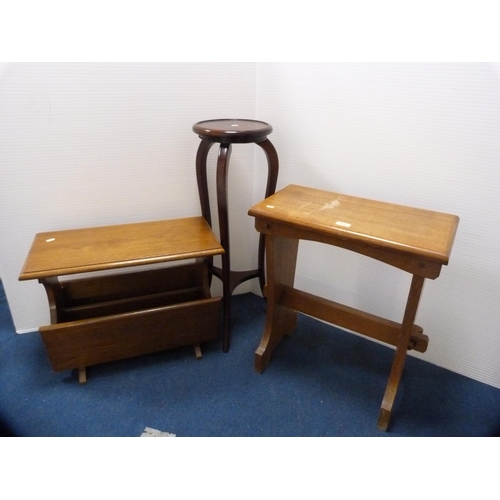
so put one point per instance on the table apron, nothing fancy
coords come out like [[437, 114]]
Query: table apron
[[407, 261]]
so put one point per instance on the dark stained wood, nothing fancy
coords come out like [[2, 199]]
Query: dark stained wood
[[414, 240], [227, 132], [232, 130], [202, 180]]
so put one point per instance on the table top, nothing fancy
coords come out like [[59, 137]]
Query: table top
[[58, 253], [232, 130], [384, 225]]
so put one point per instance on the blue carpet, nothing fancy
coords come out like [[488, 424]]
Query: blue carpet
[[321, 381]]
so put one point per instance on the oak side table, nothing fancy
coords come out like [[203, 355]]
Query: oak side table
[[226, 132], [413, 240], [107, 316]]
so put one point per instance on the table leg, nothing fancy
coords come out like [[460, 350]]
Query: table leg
[[280, 320], [272, 180], [201, 178], [222, 171], [401, 351], [221, 184], [55, 297], [231, 279], [197, 351], [82, 375]]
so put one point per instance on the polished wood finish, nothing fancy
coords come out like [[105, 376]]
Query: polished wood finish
[[77, 344], [105, 295], [58, 253], [232, 131], [347, 317], [414, 240], [106, 317], [225, 132]]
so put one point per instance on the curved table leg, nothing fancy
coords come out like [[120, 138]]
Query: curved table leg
[[55, 297], [54, 292], [272, 180], [222, 170], [201, 179], [273, 166], [231, 279]]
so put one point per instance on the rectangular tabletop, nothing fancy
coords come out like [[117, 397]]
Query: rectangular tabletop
[[377, 224], [58, 253]]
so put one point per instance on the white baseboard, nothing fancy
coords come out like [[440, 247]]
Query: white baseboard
[[27, 330]]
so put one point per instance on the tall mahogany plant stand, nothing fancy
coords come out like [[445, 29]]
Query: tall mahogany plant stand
[[226, 132]]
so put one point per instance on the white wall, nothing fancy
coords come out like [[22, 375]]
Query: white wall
[[86, 144], [424, 135]]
